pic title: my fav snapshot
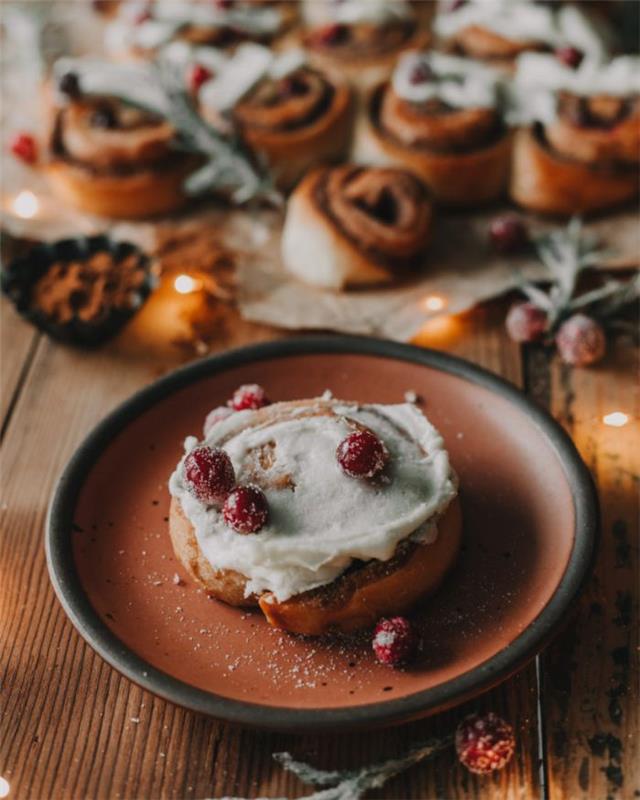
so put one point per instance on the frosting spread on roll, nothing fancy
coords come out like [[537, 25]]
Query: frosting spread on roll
[[321, 520]]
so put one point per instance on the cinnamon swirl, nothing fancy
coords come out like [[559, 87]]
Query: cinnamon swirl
[[440, 118], [353, 226], [581, 152], [108, 157], [338, 551]]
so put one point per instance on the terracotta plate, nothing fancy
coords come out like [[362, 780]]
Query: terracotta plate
[[530, 524]]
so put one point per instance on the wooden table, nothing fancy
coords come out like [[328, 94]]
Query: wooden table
[[67, 722]]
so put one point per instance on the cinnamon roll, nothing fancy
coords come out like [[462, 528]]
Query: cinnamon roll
[[109, 157], [499, 31], [353, 226], [440, 117], [336, 550], [290, 115], [581, 150], [142, 28], [363, 38]]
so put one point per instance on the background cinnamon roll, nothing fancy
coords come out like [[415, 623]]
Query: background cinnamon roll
[[291, 115], [440, 117], [499, 31], [363, 38], [581, 151], [108, 157], [354, 226]]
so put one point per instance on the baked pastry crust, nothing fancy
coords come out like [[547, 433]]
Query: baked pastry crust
[[459, 178], [544, 181], [356, 599], [334, 238]]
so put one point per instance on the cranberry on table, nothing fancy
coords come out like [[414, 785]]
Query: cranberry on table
[[24, 147], [581, 341], [197, 76], [246, 509], [484, 743], [362, 455], [249, 396], [570, 56], [526, 322], [209, 474], [394, 641], [215, 416], [508, 233]]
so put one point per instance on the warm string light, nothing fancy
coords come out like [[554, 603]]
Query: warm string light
[[4, 787], [185, 284], [25, 205], [434, 302], [616, 419]]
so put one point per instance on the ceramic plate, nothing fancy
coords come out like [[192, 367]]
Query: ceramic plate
[[530, 525]]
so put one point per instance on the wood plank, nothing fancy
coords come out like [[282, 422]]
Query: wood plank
[[70, 722], [17, 347], [591, 692]]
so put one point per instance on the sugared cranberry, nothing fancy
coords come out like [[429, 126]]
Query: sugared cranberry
[[581, 341], [421, 73], [104, 117], [246, 509], [24, 147], [508, 233], [69, 84], [332, 34], [484, 743], [362, 455], [570, 56], [394, 641], [215, 416], [197, 76], [250, 395], [526, 322], [209, 474]]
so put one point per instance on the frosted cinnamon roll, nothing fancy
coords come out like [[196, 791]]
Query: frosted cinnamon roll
[[581, 149], [330, 542], [142, 28], [291, 115], [353, 226], [109, 157], [363, 38], [499, 31], [441, 118]]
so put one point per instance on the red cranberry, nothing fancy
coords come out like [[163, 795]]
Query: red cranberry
[[24, 147], [581, 341], [250, 395], [362, 455], [215, 416], [526, 322], [223, 3], [197, 76], [570, 56], [394, 641], [143, 16], [421, 73], [508, 233], [332, 34], [484, 743], [454, 5], [246, 509], [209, 474]]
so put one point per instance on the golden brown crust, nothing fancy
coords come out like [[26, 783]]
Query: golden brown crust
[[478, 42], [546, 182], [356, 599], [460, 179]]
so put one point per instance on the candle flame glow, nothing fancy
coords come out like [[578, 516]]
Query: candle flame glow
[[4, 787], [25, 205], [616, 419], [434, 302], [185, 284]]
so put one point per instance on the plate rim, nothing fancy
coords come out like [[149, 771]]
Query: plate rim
[[531, 640]]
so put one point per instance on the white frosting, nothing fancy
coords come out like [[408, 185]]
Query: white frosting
[[377, 12], [138, 82], [459, 82], [523, 20], [317, 528], [539, 77]]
